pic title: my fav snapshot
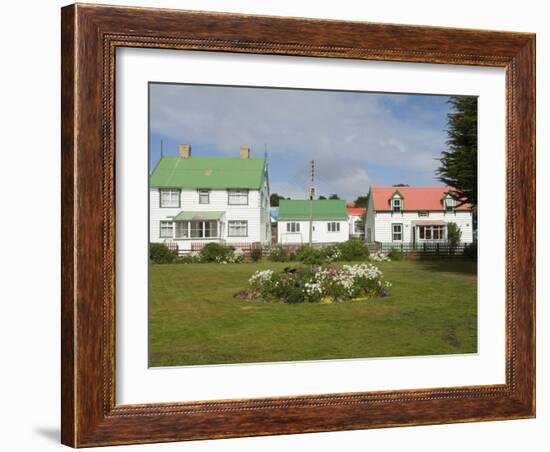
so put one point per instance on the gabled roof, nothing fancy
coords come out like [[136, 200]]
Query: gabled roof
[[323, 209], [414, 198], [356, 211], [208, 172]]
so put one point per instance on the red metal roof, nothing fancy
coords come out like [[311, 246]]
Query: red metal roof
[[356, 211], [414, 198]]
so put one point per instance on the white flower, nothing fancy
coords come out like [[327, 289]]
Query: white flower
[[380, 256], [260, 277]]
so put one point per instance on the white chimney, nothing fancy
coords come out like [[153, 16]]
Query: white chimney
[[245, 153], [185, 151]]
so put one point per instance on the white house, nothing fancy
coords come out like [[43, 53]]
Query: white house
[[197, 200], [356, 225], [414, 215], [328, 218]]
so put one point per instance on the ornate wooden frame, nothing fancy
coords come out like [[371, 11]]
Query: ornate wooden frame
[[90, 35]]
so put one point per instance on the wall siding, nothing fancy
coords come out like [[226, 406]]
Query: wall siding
[[369, 220], [320, 233], [383, 222], [256, 215]]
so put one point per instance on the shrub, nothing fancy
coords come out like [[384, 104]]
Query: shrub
[[353, 250], [256, 253], [317, 284], [379, 256], [185, 259], [279, 254], [470, 251], [396, 254], [332, 253], [310, 255], [159, 253], [215, 252], [453, 234]]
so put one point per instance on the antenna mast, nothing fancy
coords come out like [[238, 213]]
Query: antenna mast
[[311, 196]]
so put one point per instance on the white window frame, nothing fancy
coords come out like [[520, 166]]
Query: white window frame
[[293, 226], [333, 226], [450, 204], [174, 194], [204, 192], [162, 225], [235, 223], [183, 228], [239, 195], [432, 229], [394, 233], [198, 225], [396, 205], [423, 213]]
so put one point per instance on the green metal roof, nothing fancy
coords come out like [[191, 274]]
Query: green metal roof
[[208, 172], [323, 209], [195, 216]]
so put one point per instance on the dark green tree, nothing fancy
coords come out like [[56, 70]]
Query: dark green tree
[[459, 162], [274, 199], [322, 197], [334, 196], [361, 201]]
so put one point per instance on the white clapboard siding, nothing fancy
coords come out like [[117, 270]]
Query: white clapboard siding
[[383, 224], [353, 219], [370, 232], [320, 233], [256, 213]]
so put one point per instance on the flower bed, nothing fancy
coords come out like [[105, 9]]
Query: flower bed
[[317, 284], [380, 256]]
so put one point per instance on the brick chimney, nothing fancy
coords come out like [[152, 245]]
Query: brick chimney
[[185, 151], [244, 153]]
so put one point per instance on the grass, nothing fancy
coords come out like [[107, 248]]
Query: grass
[[194, 318]]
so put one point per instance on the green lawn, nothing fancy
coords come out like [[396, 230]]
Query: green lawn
[[194, 318]]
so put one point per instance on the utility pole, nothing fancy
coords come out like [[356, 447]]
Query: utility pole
[[311, 196], [161, 148]]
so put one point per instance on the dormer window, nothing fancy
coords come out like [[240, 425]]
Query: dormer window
[[397, 205], [450, 204]]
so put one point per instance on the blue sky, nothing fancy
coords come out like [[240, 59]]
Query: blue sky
[[356, 138]]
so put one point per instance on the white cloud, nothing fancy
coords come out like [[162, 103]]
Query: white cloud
[[345, 133]]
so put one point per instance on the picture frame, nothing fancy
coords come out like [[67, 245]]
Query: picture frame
[[90, 36]]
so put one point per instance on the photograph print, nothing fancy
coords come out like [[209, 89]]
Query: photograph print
[[300, 225]]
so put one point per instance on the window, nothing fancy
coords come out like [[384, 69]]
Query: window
[[169, 197], [396, 205], [166, 229], [438, 233], [204, 196], [182, 229], [293, 227], [196, 229], [238, 228], [397, 232], [333, 226], [432, 232], [449, 204], [423, 214], [238, 197]]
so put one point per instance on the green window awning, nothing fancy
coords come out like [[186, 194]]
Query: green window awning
[[198, 216]]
